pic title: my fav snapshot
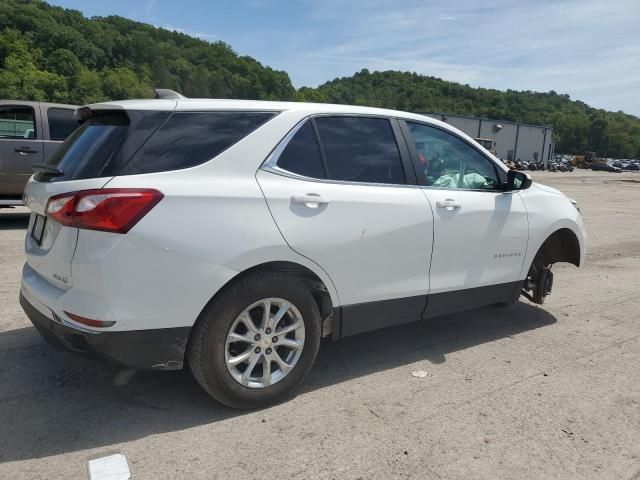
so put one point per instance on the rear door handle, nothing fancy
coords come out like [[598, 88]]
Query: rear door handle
[[448, 204], [311, 200], [25, 150]]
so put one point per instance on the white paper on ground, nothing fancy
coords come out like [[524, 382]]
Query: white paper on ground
[[113, 467]]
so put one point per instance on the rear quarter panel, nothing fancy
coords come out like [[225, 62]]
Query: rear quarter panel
[[217, 212]]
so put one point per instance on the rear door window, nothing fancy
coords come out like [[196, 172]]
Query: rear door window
[[302, 154], [187, 139], [360, 149], [17, 122], [62, 122]]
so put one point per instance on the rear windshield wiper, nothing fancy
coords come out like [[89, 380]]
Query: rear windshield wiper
[[48, 169]]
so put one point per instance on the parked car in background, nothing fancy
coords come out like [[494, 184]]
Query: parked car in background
[[233, 235], [622, 165], [635, 166], [30, 132], [605, 167]]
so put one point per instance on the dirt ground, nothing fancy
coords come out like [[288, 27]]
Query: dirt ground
[[518, 392]]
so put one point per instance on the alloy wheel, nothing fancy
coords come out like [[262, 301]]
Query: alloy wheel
[[264, 343]]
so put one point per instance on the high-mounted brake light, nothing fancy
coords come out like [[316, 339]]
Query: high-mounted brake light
[[114, 210]]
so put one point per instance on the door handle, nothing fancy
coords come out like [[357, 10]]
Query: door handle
[[311, 200], [448, 204], [25, 150]]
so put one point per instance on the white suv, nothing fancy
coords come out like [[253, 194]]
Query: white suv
[[234, 235]]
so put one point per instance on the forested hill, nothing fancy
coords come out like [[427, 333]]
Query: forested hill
[[577, 126], [50, 53]]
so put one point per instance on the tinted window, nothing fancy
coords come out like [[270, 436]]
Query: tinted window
[[191, 138], [360, 149], [62, 122], [447, 161], [302, 155], [17, 122], [103, 143], [123, 142]]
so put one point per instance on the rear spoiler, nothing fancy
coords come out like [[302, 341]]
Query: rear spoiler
[[166, 94], [83, 113]]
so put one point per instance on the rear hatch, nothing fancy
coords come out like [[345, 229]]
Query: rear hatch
[[88, 159]]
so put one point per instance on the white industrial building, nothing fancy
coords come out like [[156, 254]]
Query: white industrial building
[[514, 141]]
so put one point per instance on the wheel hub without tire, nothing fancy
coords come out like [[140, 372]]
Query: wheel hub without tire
[[264, 343]]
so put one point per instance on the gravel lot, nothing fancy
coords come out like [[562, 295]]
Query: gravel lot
[[519, 392]]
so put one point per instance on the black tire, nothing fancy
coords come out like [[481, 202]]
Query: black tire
[[206, 351]]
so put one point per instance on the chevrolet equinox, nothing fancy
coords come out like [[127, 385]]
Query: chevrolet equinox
[[233, 235]]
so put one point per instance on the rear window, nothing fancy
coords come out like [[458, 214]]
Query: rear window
[[62, 122], [114, 143], [187, 139]]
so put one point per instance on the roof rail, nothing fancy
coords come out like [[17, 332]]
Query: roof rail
[[166, 94]]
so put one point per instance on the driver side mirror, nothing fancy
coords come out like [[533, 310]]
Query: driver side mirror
[[517, 181]]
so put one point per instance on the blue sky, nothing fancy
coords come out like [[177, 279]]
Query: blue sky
[[589, 49]]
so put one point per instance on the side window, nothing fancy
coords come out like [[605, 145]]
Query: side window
[[302, 154], [187, 139], [360, 149], [62, 121], [17, 122], [446, 161]]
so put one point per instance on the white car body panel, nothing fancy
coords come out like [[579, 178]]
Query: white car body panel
[[230, 223], [374, 241], [52, 259], [163, 288], [547, 212], [371, 243], [482, 242]]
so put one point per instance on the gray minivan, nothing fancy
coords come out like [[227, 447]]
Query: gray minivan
[[30, 132]]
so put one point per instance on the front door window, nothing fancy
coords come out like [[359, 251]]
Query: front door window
[[446, 161]]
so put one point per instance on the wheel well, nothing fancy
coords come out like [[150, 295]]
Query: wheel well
[[316, 286], [561, 246]]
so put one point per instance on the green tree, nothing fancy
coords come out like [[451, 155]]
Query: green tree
[[87, 87], [306, 94], [50, 53], [123, 83], [63, 62], [599, 132]]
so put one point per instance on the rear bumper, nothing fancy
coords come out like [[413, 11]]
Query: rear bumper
[[157, 349], [11, 202]]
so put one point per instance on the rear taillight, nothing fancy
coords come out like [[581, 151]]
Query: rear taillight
[[60, 208], [114, 210]]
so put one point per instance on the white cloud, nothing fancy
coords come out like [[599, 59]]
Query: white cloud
[[587, 48], [202, 35], [148, 6]]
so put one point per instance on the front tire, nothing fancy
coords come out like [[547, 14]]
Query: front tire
[[255, 342]]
